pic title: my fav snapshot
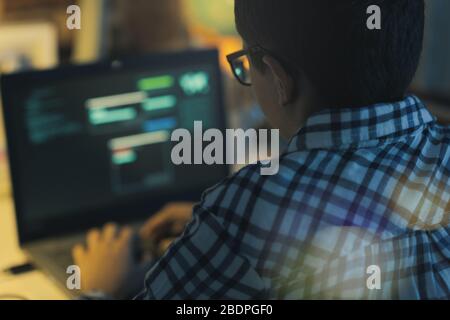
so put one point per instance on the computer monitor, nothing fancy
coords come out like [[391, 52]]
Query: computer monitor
[[88, 144]]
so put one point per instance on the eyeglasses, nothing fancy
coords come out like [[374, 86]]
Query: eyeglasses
[[240, 63]]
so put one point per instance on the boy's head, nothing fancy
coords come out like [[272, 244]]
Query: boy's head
[[322, 53]]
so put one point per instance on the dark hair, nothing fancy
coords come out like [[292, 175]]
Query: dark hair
[[329, 41]]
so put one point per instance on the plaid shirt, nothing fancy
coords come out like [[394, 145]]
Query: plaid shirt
[[357, 188]]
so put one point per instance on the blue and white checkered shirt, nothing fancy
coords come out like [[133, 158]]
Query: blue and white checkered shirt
[[359, 209]]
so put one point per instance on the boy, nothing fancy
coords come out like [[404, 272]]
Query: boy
[[360, 206]]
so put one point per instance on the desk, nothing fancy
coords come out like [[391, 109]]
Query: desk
[[33, 285]]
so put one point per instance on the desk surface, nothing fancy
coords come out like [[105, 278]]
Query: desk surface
[[33, 285]]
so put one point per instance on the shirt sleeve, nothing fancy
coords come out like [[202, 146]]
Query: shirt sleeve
[[203, 264]]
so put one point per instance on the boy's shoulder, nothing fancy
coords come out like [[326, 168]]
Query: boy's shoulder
[[248, 187], [304, 174], [244, 179]]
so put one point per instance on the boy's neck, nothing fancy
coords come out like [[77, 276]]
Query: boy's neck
[[298, 113]]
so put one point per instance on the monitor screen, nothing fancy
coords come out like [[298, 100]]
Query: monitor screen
[[93, 138]]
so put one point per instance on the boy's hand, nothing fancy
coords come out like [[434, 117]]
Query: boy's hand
[[107, 262], [166, 225]]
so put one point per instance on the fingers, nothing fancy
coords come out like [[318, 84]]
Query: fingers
[[96, 236], [126, 234], [78, 253], [178, 228], [165, 244], [162, 222], [125, 243], [110, 232], [93, 238], [158, 224]]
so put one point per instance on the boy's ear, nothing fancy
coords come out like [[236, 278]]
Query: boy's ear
[[283, 81]]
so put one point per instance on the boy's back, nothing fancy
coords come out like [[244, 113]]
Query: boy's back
[[359, 191]]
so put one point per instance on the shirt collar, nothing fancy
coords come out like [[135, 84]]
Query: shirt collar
[[362, 127]]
